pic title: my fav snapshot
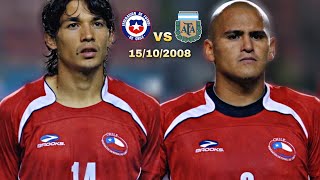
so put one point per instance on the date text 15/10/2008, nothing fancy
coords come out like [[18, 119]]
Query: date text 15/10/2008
[[159, 53]]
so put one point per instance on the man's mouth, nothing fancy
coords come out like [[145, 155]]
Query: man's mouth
[[248, 59], [88, 52]]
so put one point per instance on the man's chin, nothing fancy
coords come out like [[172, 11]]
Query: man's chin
[[90, 69], [246, 79]]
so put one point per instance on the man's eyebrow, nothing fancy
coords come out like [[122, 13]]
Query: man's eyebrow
[[76, 19], [96, 18], [260, 33], [73, 19], [235, 32]]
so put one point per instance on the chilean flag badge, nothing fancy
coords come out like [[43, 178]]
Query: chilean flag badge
[[136, 25]]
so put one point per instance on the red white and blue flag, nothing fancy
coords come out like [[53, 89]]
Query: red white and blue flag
[[136, 25]]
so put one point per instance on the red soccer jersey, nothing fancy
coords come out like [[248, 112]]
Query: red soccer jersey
[[276, 137], [117, 138]]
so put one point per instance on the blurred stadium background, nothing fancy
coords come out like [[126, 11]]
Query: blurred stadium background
[[296, 26]]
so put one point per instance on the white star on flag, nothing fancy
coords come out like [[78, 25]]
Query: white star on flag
[[136, 26]]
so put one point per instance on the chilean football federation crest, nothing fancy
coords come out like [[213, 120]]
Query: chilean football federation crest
[[188, 27], [136, 25]]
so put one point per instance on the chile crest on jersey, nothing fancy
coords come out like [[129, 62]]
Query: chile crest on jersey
[[114, 144], [282, 149]]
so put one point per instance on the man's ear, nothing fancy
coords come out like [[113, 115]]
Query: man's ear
[[112, 38], [272, 50], [208, 50], [50, 41]]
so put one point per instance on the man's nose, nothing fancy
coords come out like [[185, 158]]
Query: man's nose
[[247, 44], [87, 33]]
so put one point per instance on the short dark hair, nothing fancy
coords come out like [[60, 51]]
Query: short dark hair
[[252, 3], [51, 14]]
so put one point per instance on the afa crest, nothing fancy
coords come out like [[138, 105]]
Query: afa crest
[[188, 27]]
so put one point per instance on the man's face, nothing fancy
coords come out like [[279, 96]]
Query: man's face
[[82, 39], [241, 47]]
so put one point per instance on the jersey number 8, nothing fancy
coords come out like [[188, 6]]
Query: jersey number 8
[[247, 176]]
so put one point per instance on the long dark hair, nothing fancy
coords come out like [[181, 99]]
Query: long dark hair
[[51, 15]]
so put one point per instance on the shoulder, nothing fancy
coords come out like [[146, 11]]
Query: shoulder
[[141, 106], [185, 102], [130, 94], [293, 98], [175, 107], [13, 106], [304, 108], [23, 96]]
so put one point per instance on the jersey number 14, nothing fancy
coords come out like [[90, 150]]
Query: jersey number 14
[[90, 171]]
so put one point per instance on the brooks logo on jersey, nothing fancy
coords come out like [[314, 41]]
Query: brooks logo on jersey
[[208, 146], [50, 140]]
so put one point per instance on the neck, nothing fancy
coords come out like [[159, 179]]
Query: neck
[[77, 89], [240, 92]]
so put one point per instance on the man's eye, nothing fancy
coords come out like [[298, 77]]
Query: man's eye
[[233, 36], [98, 24], [258, 36], [72, 26]]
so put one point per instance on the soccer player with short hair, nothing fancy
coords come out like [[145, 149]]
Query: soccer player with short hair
[[76, 122], [240, 127]]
